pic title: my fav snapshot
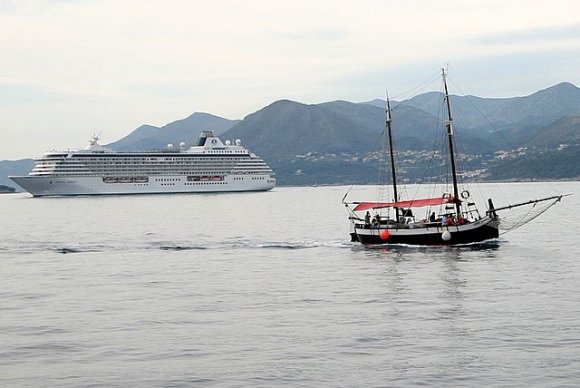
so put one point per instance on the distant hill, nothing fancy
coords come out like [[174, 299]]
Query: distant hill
[[338, 142], [492, 114], [144, 133], [7, 189], [14, 168], [564, 131], [148, 137], [285, 129], [376, 103], [544, 164]]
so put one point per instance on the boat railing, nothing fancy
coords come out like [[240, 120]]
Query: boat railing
[[449, 220]]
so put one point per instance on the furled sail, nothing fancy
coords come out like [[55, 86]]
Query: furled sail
[[405, 204]]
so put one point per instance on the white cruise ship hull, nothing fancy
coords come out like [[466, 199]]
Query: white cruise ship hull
[[208, 167], [40, 186]]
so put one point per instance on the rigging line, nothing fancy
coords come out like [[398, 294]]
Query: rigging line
[[430, 168], [462, 157], [495, 131], [556, 197], [523, 217], [397, 158], [382, 164], [381, 138], [483, 116], [386, 166], [446, 168], [522, 223], [421, 86], [345, 195]]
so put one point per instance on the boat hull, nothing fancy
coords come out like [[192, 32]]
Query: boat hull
[[64, 186], [478, 231]]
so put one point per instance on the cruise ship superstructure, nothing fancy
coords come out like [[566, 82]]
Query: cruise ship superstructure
[[209, 166]]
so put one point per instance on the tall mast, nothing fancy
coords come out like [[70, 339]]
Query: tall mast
[[449, 127], [390, 137]]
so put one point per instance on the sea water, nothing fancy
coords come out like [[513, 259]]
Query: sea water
[[266, 289]]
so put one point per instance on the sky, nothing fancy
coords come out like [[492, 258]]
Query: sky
[[71, 68]]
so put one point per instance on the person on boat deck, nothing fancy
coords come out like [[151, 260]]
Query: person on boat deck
[[377, 219], [444, 219], [432, 217], [367, 218]]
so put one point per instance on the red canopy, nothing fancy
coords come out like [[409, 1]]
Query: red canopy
[[411, 203]]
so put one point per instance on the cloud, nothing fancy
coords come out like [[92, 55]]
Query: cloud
[[509, 74], [549, 34], [28, 94], [319, 34], [23, 94], [112, 65]]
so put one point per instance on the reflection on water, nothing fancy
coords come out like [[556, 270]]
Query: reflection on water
[[477, 251]]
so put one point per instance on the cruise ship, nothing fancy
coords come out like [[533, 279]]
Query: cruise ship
[[209, 166]]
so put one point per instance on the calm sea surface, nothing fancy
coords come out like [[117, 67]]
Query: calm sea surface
[[265, 289]]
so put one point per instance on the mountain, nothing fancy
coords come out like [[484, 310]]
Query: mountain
[[7, 189], [334, 142], [148, 137], [564, 131], [286, 128], [306, 144], [14, 167], [338, 142], [544, 106], [140, 134], [543, 164], [493, 114], [376, 102]]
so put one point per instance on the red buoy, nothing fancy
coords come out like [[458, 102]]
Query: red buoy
[[384, 235]]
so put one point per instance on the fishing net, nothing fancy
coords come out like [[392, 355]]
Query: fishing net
[[514, 217]]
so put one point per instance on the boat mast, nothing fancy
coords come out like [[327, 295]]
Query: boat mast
[[390, 137], [449, 127]]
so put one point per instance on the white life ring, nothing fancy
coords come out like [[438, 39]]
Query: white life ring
[[465, 194]]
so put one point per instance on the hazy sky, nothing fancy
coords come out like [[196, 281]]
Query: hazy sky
[[70, 68]]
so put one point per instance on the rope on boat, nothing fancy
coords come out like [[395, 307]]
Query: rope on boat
[[533, 211]]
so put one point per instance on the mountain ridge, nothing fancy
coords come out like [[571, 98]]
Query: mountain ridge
[[338, 141], [147, 137]]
